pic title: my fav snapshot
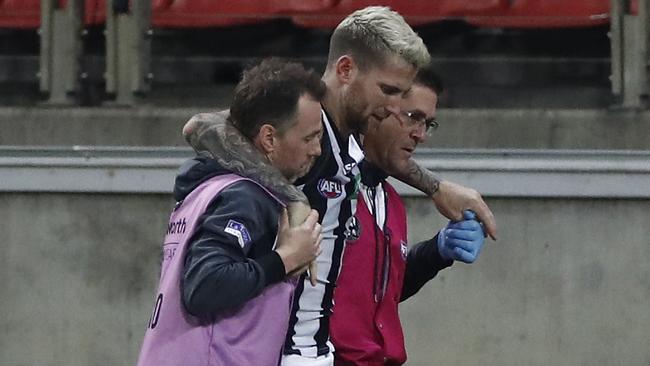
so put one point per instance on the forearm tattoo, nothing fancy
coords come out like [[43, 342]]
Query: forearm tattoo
[[421, 178], [212, 134]]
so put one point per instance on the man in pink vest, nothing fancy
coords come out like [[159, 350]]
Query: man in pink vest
[[379, 269], [230, 259]]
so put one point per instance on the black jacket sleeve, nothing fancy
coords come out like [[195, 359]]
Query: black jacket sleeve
[[422, 264], [219, 272]]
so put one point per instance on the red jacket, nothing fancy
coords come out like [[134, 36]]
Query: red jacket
[[365, 327]]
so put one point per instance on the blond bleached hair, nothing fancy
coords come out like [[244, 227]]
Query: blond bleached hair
[[373, 34]]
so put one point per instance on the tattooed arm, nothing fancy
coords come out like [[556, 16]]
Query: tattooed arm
[[451, 199]]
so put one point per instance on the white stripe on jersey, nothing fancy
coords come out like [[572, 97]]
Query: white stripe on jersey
[[296, 360], [311, 298]]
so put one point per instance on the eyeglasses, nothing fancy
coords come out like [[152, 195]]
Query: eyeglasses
[[420, 119]]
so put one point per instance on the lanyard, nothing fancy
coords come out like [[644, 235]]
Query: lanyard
[[382, 243]]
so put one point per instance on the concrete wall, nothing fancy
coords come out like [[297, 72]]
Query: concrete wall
[[568, 283], [460, 128], [78, 276]]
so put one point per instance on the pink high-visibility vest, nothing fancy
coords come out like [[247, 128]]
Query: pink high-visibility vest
[[251, 334]]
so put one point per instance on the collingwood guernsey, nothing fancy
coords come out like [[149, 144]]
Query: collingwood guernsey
[[331, 187]]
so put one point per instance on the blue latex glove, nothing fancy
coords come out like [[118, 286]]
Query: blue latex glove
[[462, 240]]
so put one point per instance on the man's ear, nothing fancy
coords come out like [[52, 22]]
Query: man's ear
[[346, 69], [265, 139]]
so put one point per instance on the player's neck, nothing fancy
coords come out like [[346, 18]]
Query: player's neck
[[332, 105]]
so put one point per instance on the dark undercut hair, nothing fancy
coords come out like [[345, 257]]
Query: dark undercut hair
[[428, 77], [269, 92]]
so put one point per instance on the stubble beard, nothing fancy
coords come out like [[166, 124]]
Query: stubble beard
[[354, 119]]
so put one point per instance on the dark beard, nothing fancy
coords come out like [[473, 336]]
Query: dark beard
[[355, 121]]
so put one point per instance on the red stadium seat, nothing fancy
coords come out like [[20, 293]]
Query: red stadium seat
[[98, 9], [20, 14], [416, 12], [94, 12], [27, 13], [634, 7], [328, 13], [547, 14], [204, 13], [211, 13]]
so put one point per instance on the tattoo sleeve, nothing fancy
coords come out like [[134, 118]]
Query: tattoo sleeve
[[419, 177], [212, 134]]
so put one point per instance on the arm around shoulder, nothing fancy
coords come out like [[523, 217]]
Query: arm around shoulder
[[451, 199]]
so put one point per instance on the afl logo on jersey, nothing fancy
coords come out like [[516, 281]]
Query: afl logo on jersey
[[330, 188]]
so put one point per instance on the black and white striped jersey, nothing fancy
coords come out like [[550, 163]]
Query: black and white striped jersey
[[330, 187]]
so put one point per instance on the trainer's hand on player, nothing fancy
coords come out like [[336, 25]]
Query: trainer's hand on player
[[462, 240], [298, 245], [452, 199], [298, 212]]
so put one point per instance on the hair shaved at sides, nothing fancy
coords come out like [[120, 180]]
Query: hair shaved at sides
[[372, 34], [269, 93], [428, 77]]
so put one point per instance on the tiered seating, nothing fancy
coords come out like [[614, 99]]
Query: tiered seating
[[173, 13], [327, 13]]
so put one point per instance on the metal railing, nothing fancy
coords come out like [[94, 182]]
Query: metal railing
[[128, 33], [495, 173]]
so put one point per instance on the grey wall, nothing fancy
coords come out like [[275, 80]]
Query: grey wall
[[568, 283], [460, 128], [78, 276]]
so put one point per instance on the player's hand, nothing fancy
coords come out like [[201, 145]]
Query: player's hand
[[298, 245], [461, 240], [298, 212], [452, 199]]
